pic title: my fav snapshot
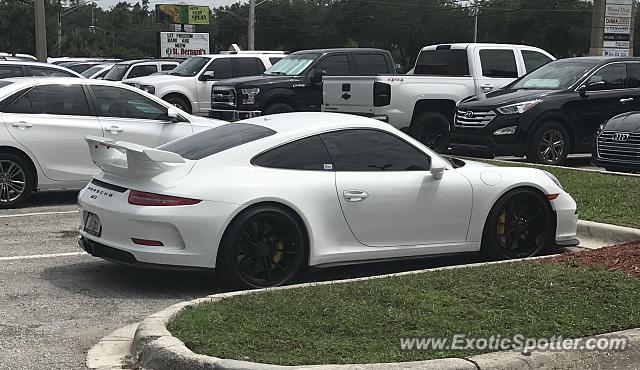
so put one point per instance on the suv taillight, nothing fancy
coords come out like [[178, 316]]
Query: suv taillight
[[381, 94], [139, 198]]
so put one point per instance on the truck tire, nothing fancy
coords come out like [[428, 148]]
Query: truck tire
[[549, 144], [278, 108], [431, 129], [178, 102]]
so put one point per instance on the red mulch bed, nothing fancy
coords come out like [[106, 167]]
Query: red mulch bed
[[621, 257]]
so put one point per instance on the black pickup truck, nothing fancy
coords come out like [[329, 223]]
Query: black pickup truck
[[294, 83]]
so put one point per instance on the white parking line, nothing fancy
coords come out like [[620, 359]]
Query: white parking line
[[38, 214], [34, 256]]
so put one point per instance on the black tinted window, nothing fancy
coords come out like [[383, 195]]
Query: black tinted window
[[10, 71], [49, 72], [371, 150], [334, 65], [248, 67], [221, 67], [445, 62], [370, 64], [498, 63], [533, 59], [608, 77], [21, 105], [167, 67], [59, 99], [141, 71], [305, 154], [216, 140], [116, 102], [633, 71]]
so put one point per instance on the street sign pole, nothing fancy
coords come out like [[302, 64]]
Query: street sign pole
[[41, 32]]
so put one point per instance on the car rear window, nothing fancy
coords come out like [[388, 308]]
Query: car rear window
[[5, 83], [216, 140], [442, 62]]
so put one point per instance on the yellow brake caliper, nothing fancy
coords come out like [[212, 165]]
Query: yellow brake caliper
[[279, 252], [502, 219]]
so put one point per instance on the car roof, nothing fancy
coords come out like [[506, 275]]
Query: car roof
[[345, 50], [31, 81], [28, 63], [601, 59], [300, 123], [464, 45]]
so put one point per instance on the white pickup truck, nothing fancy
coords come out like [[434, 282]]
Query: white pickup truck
[[424, 101]]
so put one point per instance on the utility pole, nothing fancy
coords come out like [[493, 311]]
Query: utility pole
[[475, 22], [41, 32], [252, 24], [59, 28]]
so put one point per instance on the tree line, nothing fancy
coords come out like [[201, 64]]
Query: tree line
[[128, 30]]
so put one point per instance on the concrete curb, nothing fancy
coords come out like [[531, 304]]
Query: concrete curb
[[155, 348], [604, 172], [609, 233]]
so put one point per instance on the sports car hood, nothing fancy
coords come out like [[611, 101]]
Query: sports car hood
[[155, 80], [626, 122], [503, 97]]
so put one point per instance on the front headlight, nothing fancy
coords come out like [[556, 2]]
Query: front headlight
[[147, 88], [554, 179], [518, 108], [249, 97]]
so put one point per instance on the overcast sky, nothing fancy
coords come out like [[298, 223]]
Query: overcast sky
[[152, 3]]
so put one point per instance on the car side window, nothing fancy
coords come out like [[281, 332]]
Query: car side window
[[335, 65], [371, 64], [534, 60], [633, 72], [168, 67], [20, 105], [304, 154], [142, 70], [248, 67], [274, 60], [66, 100], [222, 68], [373, 150], [609, 77], [9, 71], [123, 103], [500, 63], [49, 72]]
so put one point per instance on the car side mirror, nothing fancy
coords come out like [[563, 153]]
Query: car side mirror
[[208, 75], [587, 86], [174, 115], [437, 168], [316, 76]]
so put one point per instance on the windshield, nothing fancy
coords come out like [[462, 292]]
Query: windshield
[[190, 67], [292, 65], [91, 71], [116, 72], [558, 75]]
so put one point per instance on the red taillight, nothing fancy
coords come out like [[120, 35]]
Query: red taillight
[[148, 243], [139, 198]]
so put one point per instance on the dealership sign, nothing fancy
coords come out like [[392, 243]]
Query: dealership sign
[[618, 10], [182, 44], [616, 36]]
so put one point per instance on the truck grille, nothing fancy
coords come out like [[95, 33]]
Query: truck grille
[[223, 95], [619, 146], [473, 118]]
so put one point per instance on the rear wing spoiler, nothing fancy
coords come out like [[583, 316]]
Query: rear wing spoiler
[[130, 160]]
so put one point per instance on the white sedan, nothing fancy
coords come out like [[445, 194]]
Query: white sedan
[[261, 199], [43, 123]]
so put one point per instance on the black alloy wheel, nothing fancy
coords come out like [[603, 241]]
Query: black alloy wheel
[[265, 247], [549, 145], [432, 130], [519, 225]]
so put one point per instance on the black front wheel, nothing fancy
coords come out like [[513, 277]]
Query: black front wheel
[[549, 144], [179, 103], [263, 247], [431, 129], [519, 225], [278, 108]]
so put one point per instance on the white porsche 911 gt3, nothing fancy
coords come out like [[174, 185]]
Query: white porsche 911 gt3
[[260, 199]]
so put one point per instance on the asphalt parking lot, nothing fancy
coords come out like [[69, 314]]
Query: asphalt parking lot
[[56, 301]]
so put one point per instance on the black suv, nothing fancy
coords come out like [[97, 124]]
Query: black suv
[[294, 83], [550, 112]]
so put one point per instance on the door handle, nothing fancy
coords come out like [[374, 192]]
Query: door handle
[[626, 100], [22, 125], [114, 129], [355, 195], [486, 87]]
